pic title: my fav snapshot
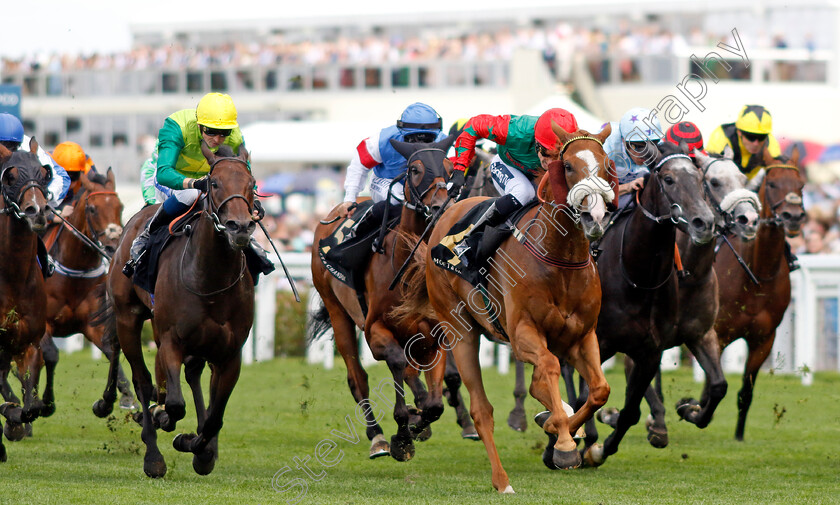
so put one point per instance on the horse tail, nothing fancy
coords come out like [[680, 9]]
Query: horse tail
[[105, 316], [318, 324], [414, 304]]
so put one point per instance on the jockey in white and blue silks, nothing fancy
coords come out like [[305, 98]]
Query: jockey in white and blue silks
[[11, 136], [627, 146], [418, 123]]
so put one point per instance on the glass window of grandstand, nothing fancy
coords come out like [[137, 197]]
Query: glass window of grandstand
[[320, 78], [195, 81], [245, 80], [401, 77], [218, 81], [347, 78], [169, 82], [271, 80], [373, 77]]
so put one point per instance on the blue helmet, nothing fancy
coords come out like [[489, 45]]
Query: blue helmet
[[639, 124], [419, 118], [11, 129]]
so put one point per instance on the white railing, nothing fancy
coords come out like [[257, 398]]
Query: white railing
[[807, 340]]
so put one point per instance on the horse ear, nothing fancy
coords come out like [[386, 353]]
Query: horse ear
[[562, 135], [794, 156], [112, 179], [404, 148], [655, 155], [767, 157], [243, 153], [756, 181], [5, 154], [208, 154], [700, 159], [83, 178], [602, 136], [728, 153], [684, 147], [33, 145]]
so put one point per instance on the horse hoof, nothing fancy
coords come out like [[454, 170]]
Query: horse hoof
[[657, 437], [401, 450], [102, 409], [424, 435], [608, 416], [15, 432], [542, 417], [593, 455], [155, 469], [469, 433], [28, 429], [204, 463], [687, 407], [138, 417], [516, 420], [507, 490], [47, 410], [548, 452], [127, 402], [566, 460], [379, 447], [2, 453]]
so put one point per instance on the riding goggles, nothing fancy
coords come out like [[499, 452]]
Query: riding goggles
[[216, 132], [754, 137]]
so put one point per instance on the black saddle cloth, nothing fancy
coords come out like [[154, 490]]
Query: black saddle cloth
[[146, 271], [477, 249], [345, 251]]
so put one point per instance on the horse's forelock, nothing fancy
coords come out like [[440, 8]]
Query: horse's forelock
[[29, 169], [225, 151], [97, 178]]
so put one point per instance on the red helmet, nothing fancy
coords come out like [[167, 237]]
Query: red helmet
[[686, 131], [543, 133]]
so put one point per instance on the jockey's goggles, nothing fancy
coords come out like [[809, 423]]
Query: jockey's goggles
[[215, 132], [636, 147], [754, 137]]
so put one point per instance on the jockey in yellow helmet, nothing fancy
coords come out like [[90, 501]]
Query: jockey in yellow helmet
[[747, 137]]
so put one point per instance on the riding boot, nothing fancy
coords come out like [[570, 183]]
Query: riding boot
[[265, 265], [138, 246], [792, 260], [495, 215]]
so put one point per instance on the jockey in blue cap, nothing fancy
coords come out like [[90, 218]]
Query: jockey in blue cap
[[630, 146]]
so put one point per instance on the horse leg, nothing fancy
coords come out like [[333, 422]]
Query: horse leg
[[466, 357], [129, 330], [5, 387], [204, 444], [17, 416], [415, 413], [50, 354], [452, 392], [655, 424], [707, 352], [95, 334], [384, 347], [105, 405], [758, 352], [529, 345], [169, 359], [642, 373], [29, 365], [433, 405], [516, 418]]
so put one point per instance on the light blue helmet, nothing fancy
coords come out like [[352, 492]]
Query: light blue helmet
[[419, 118], [639, 124], [11, 129]]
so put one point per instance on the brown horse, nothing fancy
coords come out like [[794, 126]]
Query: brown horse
[[23, 182], [425, 192], [71, 292], [543, 298], [749, 311], [202, 311]]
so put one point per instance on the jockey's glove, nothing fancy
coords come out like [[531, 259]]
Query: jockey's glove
[[456, 182], [260, 210], [201, 184]]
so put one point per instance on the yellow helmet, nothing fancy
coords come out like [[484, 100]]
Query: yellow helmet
[[216, 110], [755, 119]]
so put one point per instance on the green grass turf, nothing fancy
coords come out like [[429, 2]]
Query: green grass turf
[[282, 409]]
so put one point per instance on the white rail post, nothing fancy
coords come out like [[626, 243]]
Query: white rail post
[[504, 358], [266, 313]]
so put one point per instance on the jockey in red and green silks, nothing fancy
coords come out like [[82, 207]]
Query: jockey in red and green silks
[[518, 160]]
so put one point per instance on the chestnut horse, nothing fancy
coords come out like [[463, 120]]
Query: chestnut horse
[[641, 309], [425, 192], [202, 311], [749, 311], [542, 298], [72, 294], [23, 183]]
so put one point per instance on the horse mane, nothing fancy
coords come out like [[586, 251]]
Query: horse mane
[[415, 298], [225, 151]]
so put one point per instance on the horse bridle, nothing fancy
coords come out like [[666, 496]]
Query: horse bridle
[[96, 234], [12, 206], [791, 198], [213, 211], [416, 195], [675, 218]]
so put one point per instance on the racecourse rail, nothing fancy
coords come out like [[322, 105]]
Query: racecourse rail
[[808, 339]]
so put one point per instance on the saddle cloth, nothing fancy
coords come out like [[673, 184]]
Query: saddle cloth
[[344, 254]]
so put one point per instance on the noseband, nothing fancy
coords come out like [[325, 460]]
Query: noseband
[[213, 210]]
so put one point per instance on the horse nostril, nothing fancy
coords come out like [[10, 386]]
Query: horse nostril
[[435, 209], [742, 220], [31, 211], [699, 224], [232, 226]]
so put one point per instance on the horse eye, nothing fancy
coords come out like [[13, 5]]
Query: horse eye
[[668, 179], [91, 209], [771, 184], [567, 166], [715, 183], [213, 183]]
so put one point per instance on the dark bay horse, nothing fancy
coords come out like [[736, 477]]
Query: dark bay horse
[[425, 192], [640, 309], [749, 311], [23, 182], [202, 311], [543, 294], [72, 294], [736, 211]]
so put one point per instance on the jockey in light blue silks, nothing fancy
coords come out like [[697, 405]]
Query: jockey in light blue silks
[[629, 146]]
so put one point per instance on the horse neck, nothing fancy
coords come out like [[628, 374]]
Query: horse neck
[[648, 246], [18, 246], [564, 239], [696, 259], [767, 251], [72, 252], [411, 221], [209, 260]]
